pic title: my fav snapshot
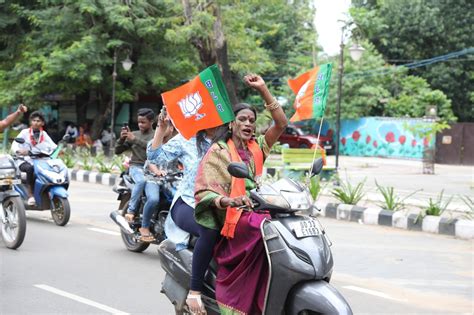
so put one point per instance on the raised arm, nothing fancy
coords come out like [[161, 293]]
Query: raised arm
[[278, 115], [12, 117]]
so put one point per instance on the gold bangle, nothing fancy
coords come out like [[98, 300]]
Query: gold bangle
[[272, 106]]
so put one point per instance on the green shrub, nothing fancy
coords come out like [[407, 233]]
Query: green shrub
[[67, 155], [391, 201], [348, 193], [103, 164], [435, 207]]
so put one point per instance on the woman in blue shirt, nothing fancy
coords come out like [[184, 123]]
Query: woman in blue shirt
[[181, 223]]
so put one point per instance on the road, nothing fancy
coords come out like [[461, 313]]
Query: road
[[83, 268]]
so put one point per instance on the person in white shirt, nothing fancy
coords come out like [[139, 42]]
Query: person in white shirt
[[36, 140]]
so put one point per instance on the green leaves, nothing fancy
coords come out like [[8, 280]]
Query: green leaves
[[349, 194]]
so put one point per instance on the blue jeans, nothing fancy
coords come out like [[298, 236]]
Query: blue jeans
[[152, 192], [137, 174]]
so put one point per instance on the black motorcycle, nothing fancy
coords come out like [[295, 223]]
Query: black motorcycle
[[130, 231]]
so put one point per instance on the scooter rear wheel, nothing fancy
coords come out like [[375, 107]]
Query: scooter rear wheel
[[14, 229], [61, 211]]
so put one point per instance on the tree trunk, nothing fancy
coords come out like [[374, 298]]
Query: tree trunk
[[214, 50], [222, 56]]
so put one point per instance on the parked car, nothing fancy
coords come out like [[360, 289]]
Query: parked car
[[296, 138]]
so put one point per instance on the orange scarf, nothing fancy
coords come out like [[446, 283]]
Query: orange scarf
[[238, 185]]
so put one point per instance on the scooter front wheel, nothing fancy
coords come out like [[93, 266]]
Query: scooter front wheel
[[61, 211], [13, 227]]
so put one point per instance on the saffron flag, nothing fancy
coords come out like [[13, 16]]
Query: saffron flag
[[199, 104], [311, 89]]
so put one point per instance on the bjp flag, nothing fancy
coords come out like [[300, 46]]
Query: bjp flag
[[311, 89], [199, 104]]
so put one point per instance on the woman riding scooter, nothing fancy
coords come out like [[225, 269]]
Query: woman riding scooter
[[180, 224], [36, 139], [242, 266]]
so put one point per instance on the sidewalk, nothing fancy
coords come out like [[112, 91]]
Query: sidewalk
[[406, 177]]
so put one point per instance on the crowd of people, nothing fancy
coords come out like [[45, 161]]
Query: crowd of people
[[206, 202]]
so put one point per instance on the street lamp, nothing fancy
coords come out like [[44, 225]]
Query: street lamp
[[127, 65], [356, 52]]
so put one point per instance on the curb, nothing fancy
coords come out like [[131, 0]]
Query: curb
[[463, 229], [94, 177]]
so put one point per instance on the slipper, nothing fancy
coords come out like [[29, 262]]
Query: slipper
[[129, 217], [198, 299], [147, 238]]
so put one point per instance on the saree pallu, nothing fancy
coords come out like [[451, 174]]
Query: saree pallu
[[242, 274]]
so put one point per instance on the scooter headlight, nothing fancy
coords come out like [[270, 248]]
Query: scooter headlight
[[297, 200]]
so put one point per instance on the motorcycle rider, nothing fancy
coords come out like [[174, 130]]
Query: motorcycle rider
[[136, 141], [242, 265], [36, 139], [181, 223]]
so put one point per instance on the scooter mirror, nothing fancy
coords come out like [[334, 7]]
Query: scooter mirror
[[239, 170], [317, 167], [20, 140]]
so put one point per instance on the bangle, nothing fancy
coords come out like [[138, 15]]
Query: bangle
[[272, 106], [218, 202]]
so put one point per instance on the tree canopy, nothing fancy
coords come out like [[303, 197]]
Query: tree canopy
[[407, 30]]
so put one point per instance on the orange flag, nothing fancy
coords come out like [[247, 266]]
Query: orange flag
[[311, 89], [199, 104]]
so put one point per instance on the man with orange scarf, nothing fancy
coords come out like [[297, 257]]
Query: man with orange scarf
[[242, 266]]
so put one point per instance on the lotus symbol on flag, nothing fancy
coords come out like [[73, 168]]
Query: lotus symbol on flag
[[301, 93], [190, 105]]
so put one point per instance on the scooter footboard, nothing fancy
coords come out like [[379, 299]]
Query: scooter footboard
[[175, 292], [319, 297]]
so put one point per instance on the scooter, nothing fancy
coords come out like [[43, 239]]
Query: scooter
[[51, 184], [12, 210], [130, 231], [297, 248]]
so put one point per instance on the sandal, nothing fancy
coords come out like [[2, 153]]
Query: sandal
[[198, 299], [129, 217], [147, 238]]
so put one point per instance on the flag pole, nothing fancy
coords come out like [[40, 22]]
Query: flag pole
[[314, 154]]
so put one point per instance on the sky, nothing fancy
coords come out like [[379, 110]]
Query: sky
[[329, 30]]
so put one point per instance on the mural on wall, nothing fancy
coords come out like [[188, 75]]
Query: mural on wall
[[382, 136]]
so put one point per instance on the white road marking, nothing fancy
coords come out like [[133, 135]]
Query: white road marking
[[80, 299], [371, 292], [104, 231]]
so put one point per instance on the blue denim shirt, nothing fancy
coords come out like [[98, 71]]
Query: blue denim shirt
[[186, 152]]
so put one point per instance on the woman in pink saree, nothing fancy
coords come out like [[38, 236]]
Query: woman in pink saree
[[242, 273]]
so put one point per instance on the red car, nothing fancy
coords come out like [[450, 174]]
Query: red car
[[296, 138]]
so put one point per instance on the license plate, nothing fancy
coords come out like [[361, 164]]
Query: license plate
[[9, 181], [327, 147], [305, 228]]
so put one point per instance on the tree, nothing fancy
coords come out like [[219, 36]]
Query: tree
[[66, 46], [407, 30], [373, 88]]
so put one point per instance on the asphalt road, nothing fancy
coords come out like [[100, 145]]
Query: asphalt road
[[83, 268]]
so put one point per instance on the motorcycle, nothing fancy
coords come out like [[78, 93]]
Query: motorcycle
[[130, 231], [12, 210], [51, 184], [297, 247]]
